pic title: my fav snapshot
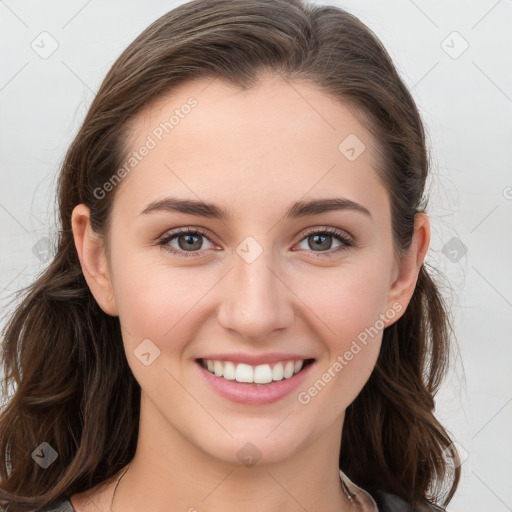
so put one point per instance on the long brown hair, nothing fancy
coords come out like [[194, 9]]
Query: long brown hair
[[73, 388]]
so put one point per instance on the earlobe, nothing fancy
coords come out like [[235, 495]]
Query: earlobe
[[408, 268], [93, 259]]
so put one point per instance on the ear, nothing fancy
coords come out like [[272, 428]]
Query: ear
[[93, 259], [406, 270]]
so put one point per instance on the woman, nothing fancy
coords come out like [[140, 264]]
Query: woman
[[238, 314]]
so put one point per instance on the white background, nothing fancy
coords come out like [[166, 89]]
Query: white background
[[466, 103]]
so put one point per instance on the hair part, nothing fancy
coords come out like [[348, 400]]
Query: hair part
[[73, 385]]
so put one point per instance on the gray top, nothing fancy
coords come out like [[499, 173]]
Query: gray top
[[63, 505]]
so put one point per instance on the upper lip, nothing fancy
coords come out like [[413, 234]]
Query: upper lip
[[256, 359]]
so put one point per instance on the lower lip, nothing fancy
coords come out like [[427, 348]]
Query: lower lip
[[254, 394]]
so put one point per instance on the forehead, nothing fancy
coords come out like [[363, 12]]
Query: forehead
[[212, 140]]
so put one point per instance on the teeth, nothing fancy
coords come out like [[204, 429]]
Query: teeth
[[229, 371], [288, 369], [277, 372], [243, 373], [261, 374]]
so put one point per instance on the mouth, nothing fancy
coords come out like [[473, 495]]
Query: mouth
[[262, 374]]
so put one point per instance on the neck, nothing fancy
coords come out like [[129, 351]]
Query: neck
[[170, 473]]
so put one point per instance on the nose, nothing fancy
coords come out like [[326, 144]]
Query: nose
[[256, 300]]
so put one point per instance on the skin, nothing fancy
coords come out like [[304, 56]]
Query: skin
[[254, 152]]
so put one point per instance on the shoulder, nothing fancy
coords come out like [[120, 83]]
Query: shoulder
[[381, 501], [391, 503], [63, 505]]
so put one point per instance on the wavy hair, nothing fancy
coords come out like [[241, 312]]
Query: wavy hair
[[64, 357]]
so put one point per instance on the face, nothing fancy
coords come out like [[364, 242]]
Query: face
[[260, 284]]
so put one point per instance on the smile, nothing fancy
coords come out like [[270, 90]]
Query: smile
[[257, 386], [260, 374]]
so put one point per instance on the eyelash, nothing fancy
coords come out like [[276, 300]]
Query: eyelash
[[346, 242]]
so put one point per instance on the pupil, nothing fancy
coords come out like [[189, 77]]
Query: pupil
[[325, 237], [189, 242]]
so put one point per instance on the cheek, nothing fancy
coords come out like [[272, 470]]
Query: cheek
[[154, 300], [352, 343], [155, 307], [345, 300], [347, 306]]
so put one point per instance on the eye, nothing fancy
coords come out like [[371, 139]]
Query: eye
[[188, 240], [321, 241]]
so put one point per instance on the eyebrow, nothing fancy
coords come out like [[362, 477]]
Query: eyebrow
[[211, 210]]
